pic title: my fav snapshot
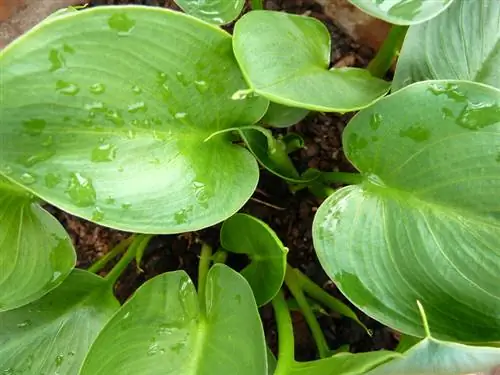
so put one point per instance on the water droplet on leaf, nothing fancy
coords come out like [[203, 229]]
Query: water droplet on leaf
[[97, 88], [27, 179], [43, 155], [450, 90], [56, 60], [201, 86], [52, 180], [81, 190], [24, 324], [416, 133], [375, 121], [67, 88], [34, 126], [59, 360], [180, 115], [104, 153], [97, 215], [475, 116], [136, 90], [121, 22], [181, 78], [136, 107]]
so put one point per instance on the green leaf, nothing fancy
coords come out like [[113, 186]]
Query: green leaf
[[52, 335], [36, 253], [425, 223], [461, 43], [403, 12], [432, 356], [271, 362], [218, 12], [161, 330], [343, 364], [245, 234], [105, 118], [281, 116], [275, 160], [286, 58]]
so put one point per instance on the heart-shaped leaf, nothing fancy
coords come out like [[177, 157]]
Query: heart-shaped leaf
[[425, 224], [106, 118], [403, 12], [434, 357], [245, 234], [52, 335], [162, 329], [281, 116], [461, 43], [218, 12], [286, 59], [343, 364], [36, 253]]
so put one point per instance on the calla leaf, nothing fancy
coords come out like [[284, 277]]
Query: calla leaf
[[286, 58], [281, 116], [461, 43], [53, 334], [218, 12], [107, 111], [245, 234], [36, 253], [425, 223], [403, 12], [163, 329]]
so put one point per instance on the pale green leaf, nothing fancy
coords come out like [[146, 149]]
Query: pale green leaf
[[245, 234], [218, 12], [286, 58], [425, 223], [461, 43], [403, 12], [36, 253], [105, 113], [163, 330], [53, 334]]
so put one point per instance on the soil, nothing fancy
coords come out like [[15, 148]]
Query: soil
[[290, 215]]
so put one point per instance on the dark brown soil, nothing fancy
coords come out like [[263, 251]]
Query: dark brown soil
[[288, 214]]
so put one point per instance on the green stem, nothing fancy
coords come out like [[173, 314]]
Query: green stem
[[203, 267], [286, 351], [382, 62], [319, 190], [139, 242], [294, 285], [257, 4], [220, 256], [317, 293], [342, 177], [105, 259]]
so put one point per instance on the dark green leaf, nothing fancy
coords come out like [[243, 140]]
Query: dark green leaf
[[104, 116], [52, 335], [281, 116], [425, 223], [245, 234], [161, 330], [36, 253], [286, 58], [218, 12], [461, 43], [403, 12]]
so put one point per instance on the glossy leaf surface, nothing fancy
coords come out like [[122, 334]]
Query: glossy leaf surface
[[218, 12], [343, 364], [403, 12], [434, 357], [36, 253], [105, 118], [461, 43], [281, 116], [162, 329], [53, 334], [245, 234], [286, 58], [425, 224]]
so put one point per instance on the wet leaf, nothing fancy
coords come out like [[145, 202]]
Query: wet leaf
[[403, 12], [53, 334], [286, 58], [163, 329], [461, 43], [36, 253], [110, 120], [218, 12], [425, 223], [245, 234]]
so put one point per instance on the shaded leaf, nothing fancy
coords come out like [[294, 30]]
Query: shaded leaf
[[425, 223], [245, 234], [53, 334], [281, 116], [286, 58], [115, 120], [36, 253], [461, 43], [162, 329]]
